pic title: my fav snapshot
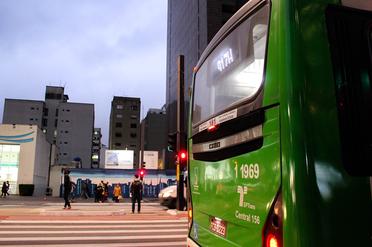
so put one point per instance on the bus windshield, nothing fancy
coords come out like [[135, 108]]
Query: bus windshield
[[233, 72]]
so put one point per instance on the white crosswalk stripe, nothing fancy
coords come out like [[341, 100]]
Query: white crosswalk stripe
[[136, 233]]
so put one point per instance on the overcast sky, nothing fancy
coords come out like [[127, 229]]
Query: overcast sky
[[95, 49]]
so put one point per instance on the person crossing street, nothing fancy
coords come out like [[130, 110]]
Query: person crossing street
[[67, 188], [136, 193]]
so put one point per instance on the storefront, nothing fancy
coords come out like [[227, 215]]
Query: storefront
[[24, 157], [9, 164]]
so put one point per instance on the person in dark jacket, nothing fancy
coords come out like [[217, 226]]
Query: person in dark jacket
[[4, 190], [136, 193], [84, 189], [67, 188], [8, 188]]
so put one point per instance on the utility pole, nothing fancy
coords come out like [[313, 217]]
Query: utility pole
[[180, 129]]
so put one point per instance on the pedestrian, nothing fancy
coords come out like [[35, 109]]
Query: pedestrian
[[105, 190], [73, 191], [7, 188], [84, 190], [136, 193], [4, 190], [117, 193], [67, 188], [99, 192]]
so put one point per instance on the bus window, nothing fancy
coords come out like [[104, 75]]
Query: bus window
[[349, 32], [233, 72]]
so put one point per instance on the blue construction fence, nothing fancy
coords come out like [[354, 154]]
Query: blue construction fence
[[153, 182]]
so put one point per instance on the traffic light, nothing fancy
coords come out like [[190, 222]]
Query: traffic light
[[182, 158], [172, 142], [141, 173]]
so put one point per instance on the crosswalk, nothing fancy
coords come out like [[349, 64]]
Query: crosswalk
[[134, 233]]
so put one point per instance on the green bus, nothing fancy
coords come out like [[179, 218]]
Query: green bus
[[280, 128]]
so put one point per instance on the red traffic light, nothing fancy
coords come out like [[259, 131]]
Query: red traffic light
[[182, 155], [142, 172]]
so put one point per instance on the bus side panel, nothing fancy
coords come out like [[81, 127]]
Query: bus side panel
[[239, 191], [323, 205]]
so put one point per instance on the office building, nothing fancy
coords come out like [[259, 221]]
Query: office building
[[191, 26], [125, 125], [67, 125], [154, 136]]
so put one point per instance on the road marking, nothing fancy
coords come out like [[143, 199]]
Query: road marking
[[153, 244], [93, 221], [97, 231], [37, 226], [17, 239]]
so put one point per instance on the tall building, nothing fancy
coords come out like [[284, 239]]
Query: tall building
[[191, 26], [96, 148], [67, 125], [125, 125], [154, 127]]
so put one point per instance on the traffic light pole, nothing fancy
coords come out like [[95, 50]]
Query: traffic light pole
[[180, 128]]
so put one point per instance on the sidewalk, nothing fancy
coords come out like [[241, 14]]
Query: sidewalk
[[33, 207]]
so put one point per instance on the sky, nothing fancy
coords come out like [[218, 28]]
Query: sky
[[95, 49]]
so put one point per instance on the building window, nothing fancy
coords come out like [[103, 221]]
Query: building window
[[133, 116], [133, 135], [134, 108], [119, 116], [118, 144], [68, 110], [53, 96], [31, 119], [117, 134], [57, 112], [66, 131], [56, 122], [119, 107], [67, 121], [45, 122], [32, 108], [133, 146], [65, 142], [118, 125], [64, 154], [45, 112], [133, 125]]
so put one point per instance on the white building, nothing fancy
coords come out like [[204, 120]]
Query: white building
[[24, 157]]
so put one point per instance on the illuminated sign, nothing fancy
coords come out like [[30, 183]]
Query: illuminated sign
[[119, 159], [225, 60], [9, 163], [151, 159]]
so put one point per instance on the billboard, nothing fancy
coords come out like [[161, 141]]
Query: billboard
[[151, 159], [119, 159]]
